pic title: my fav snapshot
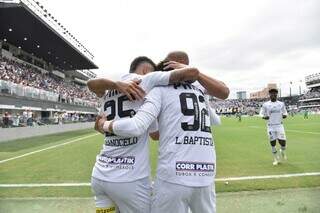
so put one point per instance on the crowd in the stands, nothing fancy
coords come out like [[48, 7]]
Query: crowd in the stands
[[247, 106], [312, 93], [30, 118], [27, 75]]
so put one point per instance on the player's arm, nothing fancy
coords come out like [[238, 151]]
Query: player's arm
[[214, 118], [284, 111], [131, 89], [159, 78], [96, 125], [181, 72], [132, 127], [154, 130], [138, 124], [100, 115], [184, 74], [213, 86], [154, 135], [263, 113]]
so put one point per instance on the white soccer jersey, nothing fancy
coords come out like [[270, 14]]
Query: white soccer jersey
[[214, 118], [275, 111], [125, 159], [186, 149]]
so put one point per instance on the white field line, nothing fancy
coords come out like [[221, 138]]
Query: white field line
[[45, 198], [289, 130], [269, 176], [303, 124], [313, 133], [48, 148], [32, 185]]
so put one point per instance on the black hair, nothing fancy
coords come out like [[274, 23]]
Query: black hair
[[139, 60], [161, 66], [273, 90]]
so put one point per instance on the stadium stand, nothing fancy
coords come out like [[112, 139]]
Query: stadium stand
[[28, 76], [248, 106], [42, 82], [310, 101]]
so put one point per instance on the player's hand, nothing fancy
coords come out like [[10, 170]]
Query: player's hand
[[173, 65], [131, 89], [100, 124], [96, 124]]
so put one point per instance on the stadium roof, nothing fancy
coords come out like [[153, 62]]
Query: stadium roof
[[22, 27]]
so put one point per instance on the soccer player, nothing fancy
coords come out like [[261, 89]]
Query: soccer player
[[187, 162], [305, 114], [238, 115], [274, 112], [120, 177]]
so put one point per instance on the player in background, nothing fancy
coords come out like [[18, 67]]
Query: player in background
[[120, 177], [274, 112], [186, 165], [305, 114], [239, 114]]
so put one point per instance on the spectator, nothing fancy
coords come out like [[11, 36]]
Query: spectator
[[16, 120], [312, 93], [5, 120], [29, 118], [56, 118], [24, 116], [26, 75]]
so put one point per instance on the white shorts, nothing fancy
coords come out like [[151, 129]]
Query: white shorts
[[276, 133], [170, 197], [128, 197]]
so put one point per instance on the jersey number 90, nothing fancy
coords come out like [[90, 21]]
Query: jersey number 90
[[199, 116]]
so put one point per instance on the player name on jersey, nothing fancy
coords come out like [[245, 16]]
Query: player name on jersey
[[195, 140], [120, 141]]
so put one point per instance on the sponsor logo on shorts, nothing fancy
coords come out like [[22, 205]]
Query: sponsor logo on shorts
[[106, 210], [194, 166]]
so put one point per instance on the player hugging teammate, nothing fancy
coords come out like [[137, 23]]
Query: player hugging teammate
[[186, 164], [274, 112]]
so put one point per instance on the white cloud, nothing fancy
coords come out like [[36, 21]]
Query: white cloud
[[245, 43]]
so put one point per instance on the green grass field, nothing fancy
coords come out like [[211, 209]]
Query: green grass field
[[242, 150]]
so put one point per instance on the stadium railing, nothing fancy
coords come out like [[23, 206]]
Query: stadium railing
[[25, 91], [11, 88]]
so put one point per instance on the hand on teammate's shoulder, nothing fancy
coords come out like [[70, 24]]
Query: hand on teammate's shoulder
[[98, 126]]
